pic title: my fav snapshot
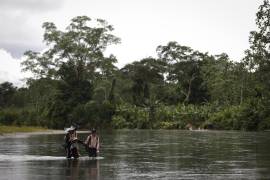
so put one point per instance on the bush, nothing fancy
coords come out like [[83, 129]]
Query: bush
[[136, 117], [182, 115], [29, 117], [250, 116], [78, 115], [118, 122], [265, 124], [9, 116], [161, 116], [13, 116], [254, 115], [98, 114], [167, 125]]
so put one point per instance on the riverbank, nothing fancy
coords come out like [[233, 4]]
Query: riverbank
[[29, 130], [20, 129]]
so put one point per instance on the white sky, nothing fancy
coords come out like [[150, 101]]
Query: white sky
[[213, 26]]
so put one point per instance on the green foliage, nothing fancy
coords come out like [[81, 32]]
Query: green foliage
[[7, 91], [167, 125], [98, 114], [258, 55], [80, 46], [8, 116], [169, 117], [75, 82], [14, 116], [144, 76], [252, 115], [224, 80], [118, 122], [135, 117], [226, 119], [183, 66], [15, 129]]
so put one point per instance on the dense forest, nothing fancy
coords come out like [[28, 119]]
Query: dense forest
[[74, 82]]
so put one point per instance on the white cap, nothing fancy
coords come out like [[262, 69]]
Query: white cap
[[72, 128]]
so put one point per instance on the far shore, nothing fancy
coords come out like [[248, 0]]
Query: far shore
[[14, 131], [26, 134], [25, 131]]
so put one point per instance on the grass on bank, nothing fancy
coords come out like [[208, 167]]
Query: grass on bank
[[14, 129]]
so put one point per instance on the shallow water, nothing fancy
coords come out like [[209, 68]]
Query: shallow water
[[141, 154]]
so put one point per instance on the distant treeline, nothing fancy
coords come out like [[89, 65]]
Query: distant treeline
[[74, 82]]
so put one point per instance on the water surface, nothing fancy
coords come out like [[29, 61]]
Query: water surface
[[141, 154]]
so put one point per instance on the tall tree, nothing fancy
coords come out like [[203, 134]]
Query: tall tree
[[7, 90], [258, 56], [224, 79], [183, 68], [81, 44], [75, 57], [146, 75]]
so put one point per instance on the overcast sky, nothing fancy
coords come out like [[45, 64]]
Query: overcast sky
[[213, 26]]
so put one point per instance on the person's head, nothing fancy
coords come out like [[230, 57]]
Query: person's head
[[93, 131], [73, 128], [71, 131]]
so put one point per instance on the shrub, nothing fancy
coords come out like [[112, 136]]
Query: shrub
[[13, 116], [98, 114], [9, 116], [226, 119], [167, 125], [118, 122]]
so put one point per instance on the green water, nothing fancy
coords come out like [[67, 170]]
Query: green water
[[141, 154]]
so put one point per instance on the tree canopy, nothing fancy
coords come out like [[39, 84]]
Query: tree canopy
[[74, 82]]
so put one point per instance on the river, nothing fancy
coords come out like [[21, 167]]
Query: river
[[141, 154]]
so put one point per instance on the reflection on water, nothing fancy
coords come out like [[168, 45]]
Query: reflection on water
[[141, 154], [16, 158], [86, 169]]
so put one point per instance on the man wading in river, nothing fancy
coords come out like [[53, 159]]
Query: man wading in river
[[92, 144]]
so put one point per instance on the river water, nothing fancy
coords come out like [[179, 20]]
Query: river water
[[141, 154]]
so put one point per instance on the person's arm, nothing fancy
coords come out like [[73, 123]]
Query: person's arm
[[87, 140], [67, 138], [98, 144]]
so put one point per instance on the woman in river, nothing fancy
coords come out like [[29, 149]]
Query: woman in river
[[70, 136], [92, 143]]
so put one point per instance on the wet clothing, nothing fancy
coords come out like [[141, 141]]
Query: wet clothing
[[67, 145], [92, 152], [69, 137], [92, 145]]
